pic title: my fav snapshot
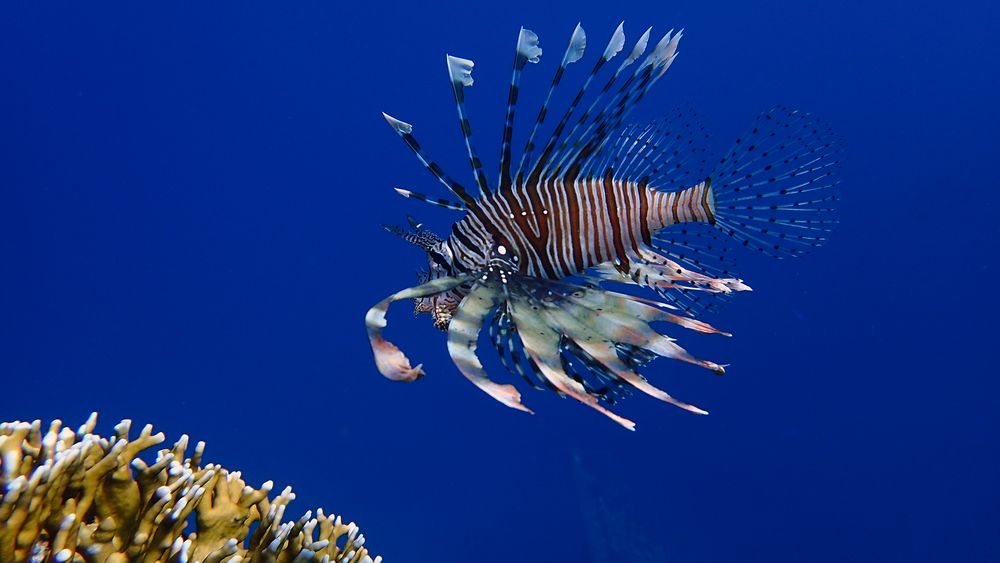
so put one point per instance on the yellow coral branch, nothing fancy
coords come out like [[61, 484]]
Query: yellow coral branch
[[75, 496]]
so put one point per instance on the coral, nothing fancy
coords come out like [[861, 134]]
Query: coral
[[75, 496]]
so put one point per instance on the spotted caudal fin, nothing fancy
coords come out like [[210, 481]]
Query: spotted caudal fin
[[775, 190]]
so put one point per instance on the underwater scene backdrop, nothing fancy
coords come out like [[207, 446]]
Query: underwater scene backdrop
[[191, 201]]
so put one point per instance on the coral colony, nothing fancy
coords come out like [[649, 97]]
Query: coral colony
[[80, 497]]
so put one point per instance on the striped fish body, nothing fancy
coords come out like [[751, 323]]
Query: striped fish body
[[561, 227]]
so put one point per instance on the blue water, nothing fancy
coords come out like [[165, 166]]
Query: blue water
[[190, 201]]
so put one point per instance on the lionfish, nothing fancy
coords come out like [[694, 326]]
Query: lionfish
[[604, 201]]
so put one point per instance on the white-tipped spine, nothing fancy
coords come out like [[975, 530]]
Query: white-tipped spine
[[527, 45], [638, 49], [460, 70], [401, 127], [577, 45], [616, 44], [666, 53], [664, 49]]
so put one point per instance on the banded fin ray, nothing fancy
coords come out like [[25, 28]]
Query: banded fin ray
[[405, 131], [615, 45], [440, 202], [587, 145], [527, 51], [670, 153], [460, 72], [574, 52], [649, 72], [419, 236], [572, 141]]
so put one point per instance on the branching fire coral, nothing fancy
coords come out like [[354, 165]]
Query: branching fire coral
[[75, 496]]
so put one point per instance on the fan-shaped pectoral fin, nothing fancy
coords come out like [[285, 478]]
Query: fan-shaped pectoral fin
[[589, 338], [540, 337], [463, 336], [622, 320], [389, 359]]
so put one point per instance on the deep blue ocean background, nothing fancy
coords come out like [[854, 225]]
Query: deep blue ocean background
[[190, 205]]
